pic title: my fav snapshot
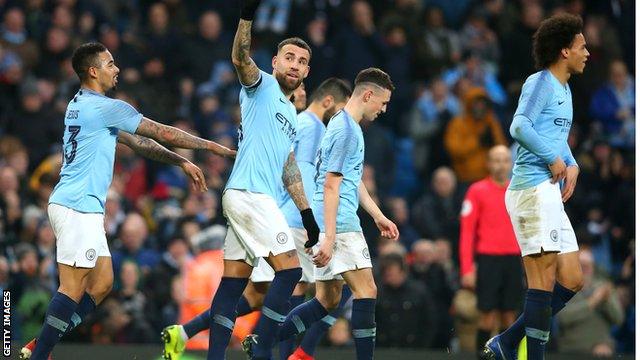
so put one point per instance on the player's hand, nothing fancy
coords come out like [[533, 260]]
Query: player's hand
[[387, 228], [558, 170], [323, 256], [249, 8], [570, 182], [230, 153], [468, 281], [198, 181], [223, 151], [310, 224]]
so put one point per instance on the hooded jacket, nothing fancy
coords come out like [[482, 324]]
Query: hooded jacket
[[463, 138]]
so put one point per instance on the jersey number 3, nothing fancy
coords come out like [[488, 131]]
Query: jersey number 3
[[74, 130]]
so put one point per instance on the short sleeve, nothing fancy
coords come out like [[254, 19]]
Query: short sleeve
[[120, 115], [263, 81], [534, 97], [342, 145]]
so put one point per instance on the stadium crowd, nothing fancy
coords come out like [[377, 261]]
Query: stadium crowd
[[458, 67]]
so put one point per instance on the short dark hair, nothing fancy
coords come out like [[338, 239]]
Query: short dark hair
[[553, 35], [297, 42], [86, 56], [375, 76], [338, 88]]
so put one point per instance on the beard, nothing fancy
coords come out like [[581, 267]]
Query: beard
[[286, 84], [329, 114]]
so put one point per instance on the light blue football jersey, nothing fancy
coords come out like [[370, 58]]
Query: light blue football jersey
[[341, 151], [306, 144], [266, 132], [541, 127], [91, 125]]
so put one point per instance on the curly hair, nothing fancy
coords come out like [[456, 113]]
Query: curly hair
[[553, 35]]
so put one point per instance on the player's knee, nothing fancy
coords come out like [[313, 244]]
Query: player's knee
[[256, 301], [329, 301], [576, 283], [73, 292], [100, 291], [367, 291]]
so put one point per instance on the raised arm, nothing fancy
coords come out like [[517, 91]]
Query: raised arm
[[387, 228], [248, 72], [292, 180], [152, 150], [175, 137]]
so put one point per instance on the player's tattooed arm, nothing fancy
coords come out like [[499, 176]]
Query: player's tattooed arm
[[247, 70], [292, 180], [175, 137], [152, 150]]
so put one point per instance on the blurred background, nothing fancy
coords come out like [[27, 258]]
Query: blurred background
[[443, 55]]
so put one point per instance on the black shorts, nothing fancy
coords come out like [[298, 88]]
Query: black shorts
[[500, 284]]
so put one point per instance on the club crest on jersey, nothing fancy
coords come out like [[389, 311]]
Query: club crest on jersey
[[281, 238], [90, 254]]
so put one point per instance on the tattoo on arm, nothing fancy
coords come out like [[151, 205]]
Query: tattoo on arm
[[292, 180], [150, 149], [248, 71], [171, 135]]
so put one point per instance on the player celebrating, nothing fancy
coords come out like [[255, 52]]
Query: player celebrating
[[339, 189], [534, 199], [93, 123], [257, 227], [330, 97]]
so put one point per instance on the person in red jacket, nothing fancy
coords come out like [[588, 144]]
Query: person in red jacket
[[487, 236]]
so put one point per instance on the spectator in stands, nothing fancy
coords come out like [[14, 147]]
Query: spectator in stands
[[14, 36], [614, 106], [469, 136], [479, 74], [516, 63], [160, 39], [585, 323], [436, 213], [210, 45], [405, 313], [478, 38], [400, 217], [133, 234], [10, 206], [431, 113], [437, 48], [359, 42], [159, 284], [33, 124], [29, 295], [427, 270]]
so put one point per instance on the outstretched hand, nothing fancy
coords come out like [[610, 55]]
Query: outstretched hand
[[198, 182]]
